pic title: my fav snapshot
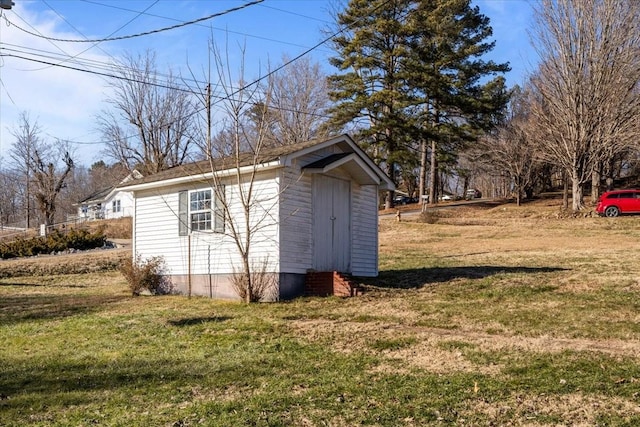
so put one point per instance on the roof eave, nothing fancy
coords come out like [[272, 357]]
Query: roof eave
[[201, 177]]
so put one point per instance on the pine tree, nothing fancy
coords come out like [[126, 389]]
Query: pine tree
[[413, 71], [372, 89], [451, 79]]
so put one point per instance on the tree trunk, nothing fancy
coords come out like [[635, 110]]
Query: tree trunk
[[433, 193], [565, 191], [247, 272], [595, 184], [423, 170], [576, 194]]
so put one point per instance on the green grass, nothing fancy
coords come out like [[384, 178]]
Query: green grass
[[449, 334]]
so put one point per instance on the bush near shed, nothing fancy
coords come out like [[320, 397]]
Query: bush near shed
[[57, 241]]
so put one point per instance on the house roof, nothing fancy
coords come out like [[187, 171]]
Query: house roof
[[102, 195], [277, 156], [98, 196]]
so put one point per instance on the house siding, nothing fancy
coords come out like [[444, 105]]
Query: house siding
[[156, 231], [364, 229], [203, 262], [296, 218], [126, 205]]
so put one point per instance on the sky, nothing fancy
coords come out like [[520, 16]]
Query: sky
[[36, 75]]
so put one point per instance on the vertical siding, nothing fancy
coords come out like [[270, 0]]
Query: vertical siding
[[156, 230], [296, 219], [364, 252]]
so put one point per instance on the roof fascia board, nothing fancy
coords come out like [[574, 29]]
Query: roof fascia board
[[287, 159], [385, 181], [205, 176], [353, 157]]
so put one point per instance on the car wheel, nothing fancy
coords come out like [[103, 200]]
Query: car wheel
[[611, 211]]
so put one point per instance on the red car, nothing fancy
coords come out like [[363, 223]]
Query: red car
[[614, 203]]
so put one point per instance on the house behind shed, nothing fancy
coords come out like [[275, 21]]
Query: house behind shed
[[314, 208]]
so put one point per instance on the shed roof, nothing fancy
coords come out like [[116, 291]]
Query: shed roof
[[281, 155]]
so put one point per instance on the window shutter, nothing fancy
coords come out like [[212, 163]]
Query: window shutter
[[218, 211], [183, 213]]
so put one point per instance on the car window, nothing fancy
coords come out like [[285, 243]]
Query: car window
[[626, 195], [613, 196]]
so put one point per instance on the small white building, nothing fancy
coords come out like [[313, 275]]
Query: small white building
[[108, 203], [314, 208]]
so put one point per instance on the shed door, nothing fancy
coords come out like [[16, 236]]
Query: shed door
[[332, 224]]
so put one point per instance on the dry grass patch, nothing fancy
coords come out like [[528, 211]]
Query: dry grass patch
[[77, 263], [573, 409], [494, 315]]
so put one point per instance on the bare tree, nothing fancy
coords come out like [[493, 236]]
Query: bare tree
[[245, 212], [27, 139], [50, 180], [299, 103], [46, 166], [509, 151], [149, 127], [587, 103], [11, 198]]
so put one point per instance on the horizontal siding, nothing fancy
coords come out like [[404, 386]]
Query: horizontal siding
[[156, 230], [364, 223], [126, 205], [296, 219]]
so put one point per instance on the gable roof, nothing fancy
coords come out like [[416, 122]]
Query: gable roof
[[268, 157], [104, 194], [96, 197]]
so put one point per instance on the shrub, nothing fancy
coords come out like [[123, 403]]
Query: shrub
[[146, 275], [56, 241], [263, 282]]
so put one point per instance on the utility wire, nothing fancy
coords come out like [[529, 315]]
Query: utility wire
[[225, 30], [220, 99], [96, 43], [162, 86], [146, 33]]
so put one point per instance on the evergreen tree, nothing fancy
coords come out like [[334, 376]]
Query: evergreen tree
[[371, 89], [414, 70], [451, 79]]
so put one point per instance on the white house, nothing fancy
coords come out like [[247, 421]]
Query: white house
[[109, 203], [314, 209]]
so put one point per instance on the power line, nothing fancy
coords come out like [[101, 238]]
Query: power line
[[97, 43], [146, 33], [220, 98], [225, 30], [162, 86]]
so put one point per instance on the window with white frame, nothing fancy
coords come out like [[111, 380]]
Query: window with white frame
[[115, 206], [200, 210]]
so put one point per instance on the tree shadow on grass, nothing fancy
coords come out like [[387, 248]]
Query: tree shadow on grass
[[24, 308], [58, 384], [39, 285], [189, 321], [415, 278]]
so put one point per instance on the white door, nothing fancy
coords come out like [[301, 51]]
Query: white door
[[332, 224]]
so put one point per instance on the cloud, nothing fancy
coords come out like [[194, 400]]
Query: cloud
[[64, 102]]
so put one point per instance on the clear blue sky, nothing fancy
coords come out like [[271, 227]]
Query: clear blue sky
[[65, 102]]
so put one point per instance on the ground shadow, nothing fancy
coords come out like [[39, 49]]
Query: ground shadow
[[419, 277], [39, 285], [188, 321], [24, 308]]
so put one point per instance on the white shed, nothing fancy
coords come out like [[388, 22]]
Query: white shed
[[314, 210]]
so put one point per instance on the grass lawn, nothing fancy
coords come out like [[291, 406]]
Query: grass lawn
[[489, 316]]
